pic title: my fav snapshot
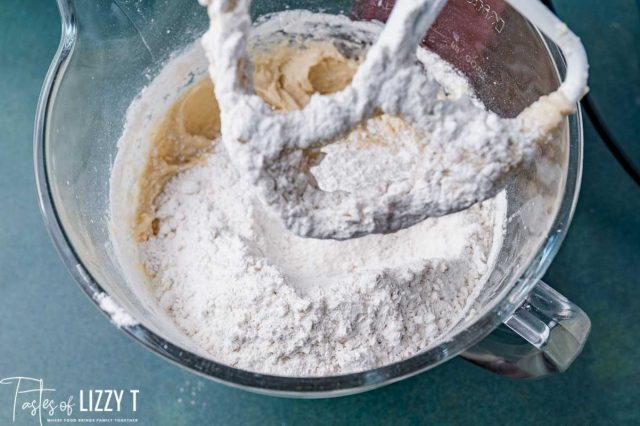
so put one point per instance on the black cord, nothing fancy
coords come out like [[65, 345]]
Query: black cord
[[603, 131], [609, 141]]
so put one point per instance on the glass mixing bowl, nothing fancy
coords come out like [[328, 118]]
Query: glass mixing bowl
[[111, 49]]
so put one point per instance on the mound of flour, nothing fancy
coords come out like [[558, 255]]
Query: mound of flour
[[257, 297]]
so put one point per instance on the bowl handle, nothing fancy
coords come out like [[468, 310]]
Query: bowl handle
[[543, 336]]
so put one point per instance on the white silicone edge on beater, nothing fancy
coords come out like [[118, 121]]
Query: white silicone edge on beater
[[574, 86]]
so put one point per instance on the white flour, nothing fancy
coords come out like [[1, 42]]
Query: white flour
[[255, 296], [118, 316], [464, 153]]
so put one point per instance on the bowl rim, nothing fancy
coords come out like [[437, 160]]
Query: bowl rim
[[300, 387]]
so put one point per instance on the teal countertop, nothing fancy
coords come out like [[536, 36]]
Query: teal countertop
[[49, 330]]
